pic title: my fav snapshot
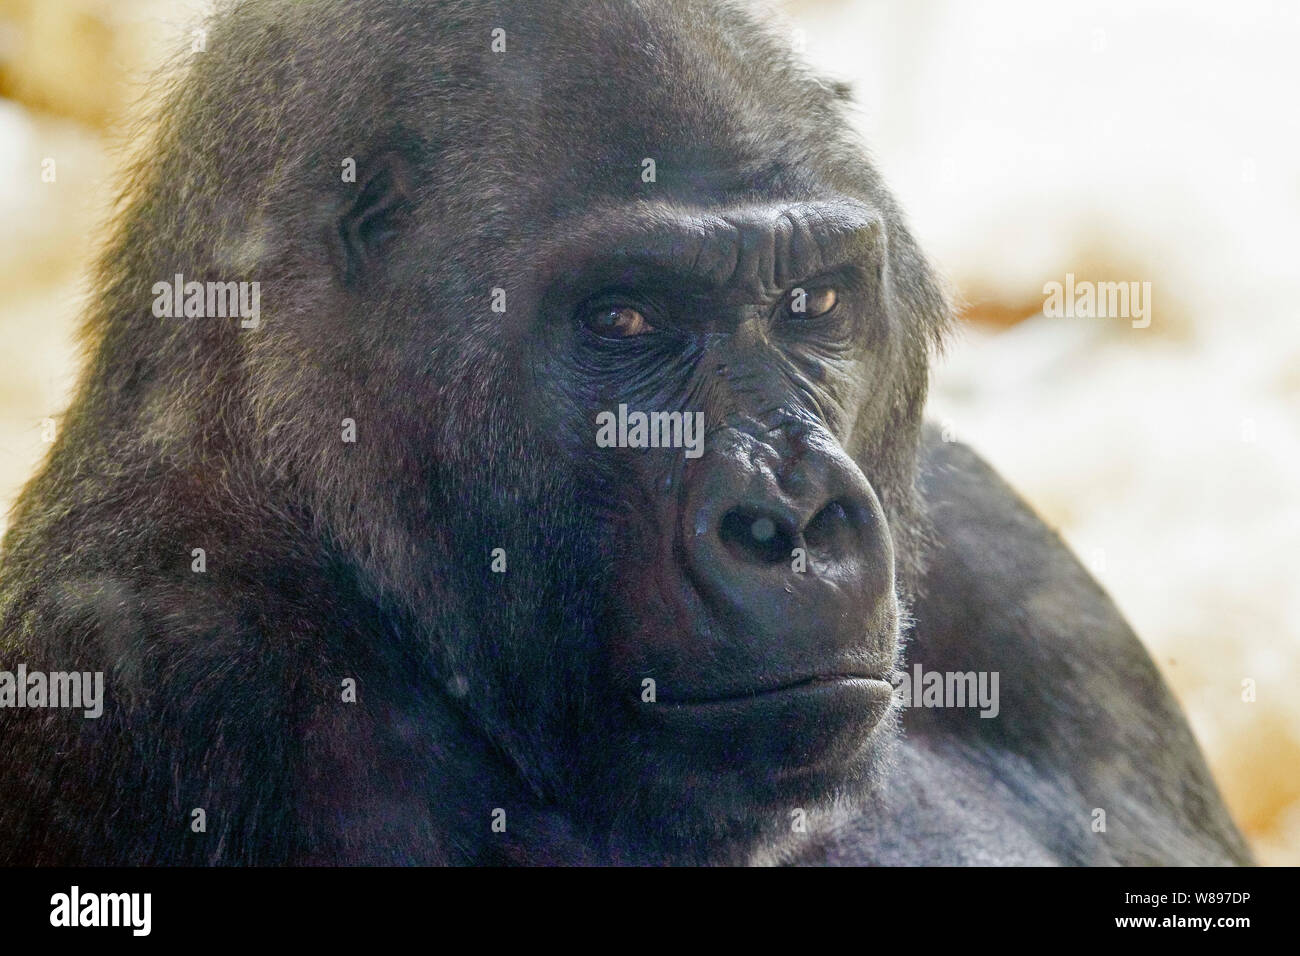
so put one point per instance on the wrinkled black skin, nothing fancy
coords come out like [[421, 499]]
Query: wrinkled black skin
[[328, 560]]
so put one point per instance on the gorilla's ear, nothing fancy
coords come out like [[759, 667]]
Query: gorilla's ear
[[370, 221]]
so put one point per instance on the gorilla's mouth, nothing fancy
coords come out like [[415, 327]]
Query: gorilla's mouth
[[868, 686], [804, 724]]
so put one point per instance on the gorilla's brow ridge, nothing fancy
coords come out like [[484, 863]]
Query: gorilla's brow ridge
[[773, 244]]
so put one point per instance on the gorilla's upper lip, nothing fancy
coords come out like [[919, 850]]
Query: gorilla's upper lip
[[775, 689]]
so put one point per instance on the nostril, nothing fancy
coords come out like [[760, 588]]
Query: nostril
[[754, 537], [832, 522]]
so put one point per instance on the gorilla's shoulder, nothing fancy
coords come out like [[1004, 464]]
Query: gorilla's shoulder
[[1083, 710]]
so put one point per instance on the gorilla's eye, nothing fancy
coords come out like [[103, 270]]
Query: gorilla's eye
[[616, 321], [811, 303]]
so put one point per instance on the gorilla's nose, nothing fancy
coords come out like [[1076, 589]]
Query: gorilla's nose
[[787, 543], [762, 532]]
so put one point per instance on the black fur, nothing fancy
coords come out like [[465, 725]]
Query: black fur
[[370, 560]]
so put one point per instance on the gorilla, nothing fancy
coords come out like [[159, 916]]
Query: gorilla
[[547, 484]]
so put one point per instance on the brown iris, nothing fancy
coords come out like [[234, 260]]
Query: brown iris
[[618, 322]]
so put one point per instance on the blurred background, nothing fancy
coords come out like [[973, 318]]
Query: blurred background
[[1133, 141]]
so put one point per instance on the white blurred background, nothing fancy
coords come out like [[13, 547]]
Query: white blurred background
[[1123, 141]]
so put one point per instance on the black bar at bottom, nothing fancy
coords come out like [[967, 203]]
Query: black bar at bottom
[[923, 905]]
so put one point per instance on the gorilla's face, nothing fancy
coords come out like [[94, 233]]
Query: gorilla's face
[[712, 366], [720, 384]]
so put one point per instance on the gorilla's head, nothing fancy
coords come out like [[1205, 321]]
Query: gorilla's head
[[554, 230]]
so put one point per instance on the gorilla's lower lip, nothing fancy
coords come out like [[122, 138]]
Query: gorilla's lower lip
[[872, 686], [813, 725]]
